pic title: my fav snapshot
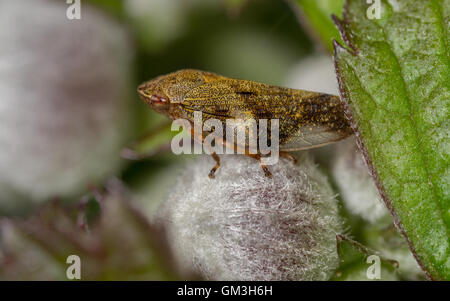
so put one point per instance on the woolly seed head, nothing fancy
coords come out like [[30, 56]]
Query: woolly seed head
[[314, 73], [64, 110], [356, 185], [245, 226]]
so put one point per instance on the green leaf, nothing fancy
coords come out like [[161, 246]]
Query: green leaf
[[234, 6], [356, 260], [318, 14], [394, 76]]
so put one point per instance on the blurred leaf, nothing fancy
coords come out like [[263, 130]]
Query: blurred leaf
[[157, 140], [114, 7], [318, 16], [355, 264], [121, 244], [234, 6], [394, 76]]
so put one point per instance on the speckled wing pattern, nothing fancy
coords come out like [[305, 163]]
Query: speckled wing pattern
[[306, 119]]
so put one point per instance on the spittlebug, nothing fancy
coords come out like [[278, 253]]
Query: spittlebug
[[306, 119]]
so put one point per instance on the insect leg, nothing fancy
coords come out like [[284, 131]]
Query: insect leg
[[263, 166], [201, 138], [137, 151], [213, 170], [288, 156], [237, 148]]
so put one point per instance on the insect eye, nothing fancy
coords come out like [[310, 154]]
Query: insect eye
[[156, 99]]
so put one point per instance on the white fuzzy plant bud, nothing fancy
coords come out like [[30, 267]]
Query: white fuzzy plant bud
[[356, 185], [64, 112], [245, 226]]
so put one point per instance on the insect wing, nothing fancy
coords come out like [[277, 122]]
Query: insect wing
[[308, 138]]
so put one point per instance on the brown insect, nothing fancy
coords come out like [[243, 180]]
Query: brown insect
[[306, 119]]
